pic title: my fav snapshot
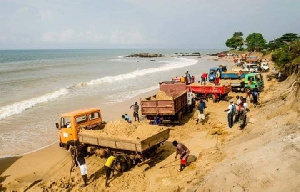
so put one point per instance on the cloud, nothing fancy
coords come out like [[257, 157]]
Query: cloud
[[132, 37], [46, 15], [71, 36], [23, 10]]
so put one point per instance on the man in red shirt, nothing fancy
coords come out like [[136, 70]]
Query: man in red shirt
[[203, 78], [184, 152]]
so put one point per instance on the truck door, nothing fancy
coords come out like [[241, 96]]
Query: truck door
[[65, 132]]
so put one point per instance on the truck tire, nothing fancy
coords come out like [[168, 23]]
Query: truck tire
[[121, 163], [179, 117], [212, 97]]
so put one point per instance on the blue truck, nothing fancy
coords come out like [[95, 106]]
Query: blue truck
[[223, 74]]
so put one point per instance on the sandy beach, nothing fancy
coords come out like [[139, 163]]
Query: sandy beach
[[264, 156]]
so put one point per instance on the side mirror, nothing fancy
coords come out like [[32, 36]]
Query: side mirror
[[57, 125]]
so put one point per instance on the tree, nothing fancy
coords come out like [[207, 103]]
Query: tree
[[236, 41], [255, 42], [284, 39], [287, 58]]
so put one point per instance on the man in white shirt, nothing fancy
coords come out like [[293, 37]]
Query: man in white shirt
[[230, 114]]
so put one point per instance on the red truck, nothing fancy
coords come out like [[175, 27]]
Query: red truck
[[209, 91], [172, 106]]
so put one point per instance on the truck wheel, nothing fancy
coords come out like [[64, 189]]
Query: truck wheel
[[179, 117], [212, 97]]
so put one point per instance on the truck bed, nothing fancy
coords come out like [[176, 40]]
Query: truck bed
[[124, 144], [209, 88], [163, 107]]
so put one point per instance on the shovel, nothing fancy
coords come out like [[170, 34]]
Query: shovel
[[167, 164]]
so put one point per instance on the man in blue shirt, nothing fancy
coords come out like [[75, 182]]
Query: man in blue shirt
[[201, 114]]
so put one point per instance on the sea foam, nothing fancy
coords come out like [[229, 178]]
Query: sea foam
[[120, 97], [19, 107], [182, 62]]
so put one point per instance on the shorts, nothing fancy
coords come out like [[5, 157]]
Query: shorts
[[201, 115], [83, 169]]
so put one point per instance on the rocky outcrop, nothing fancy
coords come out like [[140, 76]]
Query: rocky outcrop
[[146, 55]]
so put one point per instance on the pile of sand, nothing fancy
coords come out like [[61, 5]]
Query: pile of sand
[[123, 130], [162, 96]]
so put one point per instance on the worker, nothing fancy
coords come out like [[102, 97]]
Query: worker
[[109, 168], [79, 161], [201, 109], [218, 75], [184, 152], [230, 113], [157, 121], [126, 118], [240, 74], [255, 95], [203, 78], [188, 77], [136, 111], [182, 79]]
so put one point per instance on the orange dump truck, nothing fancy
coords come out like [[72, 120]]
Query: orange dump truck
[[84, 127]]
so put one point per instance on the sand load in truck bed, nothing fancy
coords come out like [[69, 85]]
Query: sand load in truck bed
[[123, 130]]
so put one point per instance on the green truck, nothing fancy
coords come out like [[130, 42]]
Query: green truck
[[251, 81]]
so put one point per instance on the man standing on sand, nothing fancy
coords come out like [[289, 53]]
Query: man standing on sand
[[201, 114], [255, 96], [80, 161], [136, 111], [230, 114], [184, 152]]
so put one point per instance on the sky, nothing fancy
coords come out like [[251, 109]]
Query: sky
[[114, 24]]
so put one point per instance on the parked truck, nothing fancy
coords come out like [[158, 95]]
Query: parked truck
[[251, 81], [170, 107], [209, 91], [80, 127], [223, 75]]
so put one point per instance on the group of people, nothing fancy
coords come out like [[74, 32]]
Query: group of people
[[237, 112], [78, 160]]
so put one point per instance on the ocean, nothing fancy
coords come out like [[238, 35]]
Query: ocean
[[36, 86]]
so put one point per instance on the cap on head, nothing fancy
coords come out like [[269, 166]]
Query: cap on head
[[175, 143]]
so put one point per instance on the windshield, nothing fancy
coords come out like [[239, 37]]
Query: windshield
[[211, 72], [65, 122], [81, 119]]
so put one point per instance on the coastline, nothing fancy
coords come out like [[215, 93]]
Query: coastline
[[215, 151]]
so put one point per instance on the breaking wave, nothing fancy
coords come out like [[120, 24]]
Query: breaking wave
[[21, 106]]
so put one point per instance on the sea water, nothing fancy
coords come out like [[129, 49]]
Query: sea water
[[36, 86]]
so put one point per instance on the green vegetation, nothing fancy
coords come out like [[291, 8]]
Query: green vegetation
[[287, 57], [281, 41], [236, 41], [255, 42], [285, 50]]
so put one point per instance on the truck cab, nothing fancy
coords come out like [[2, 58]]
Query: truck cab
[[254, 79], [264, 66], [70, 124]]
